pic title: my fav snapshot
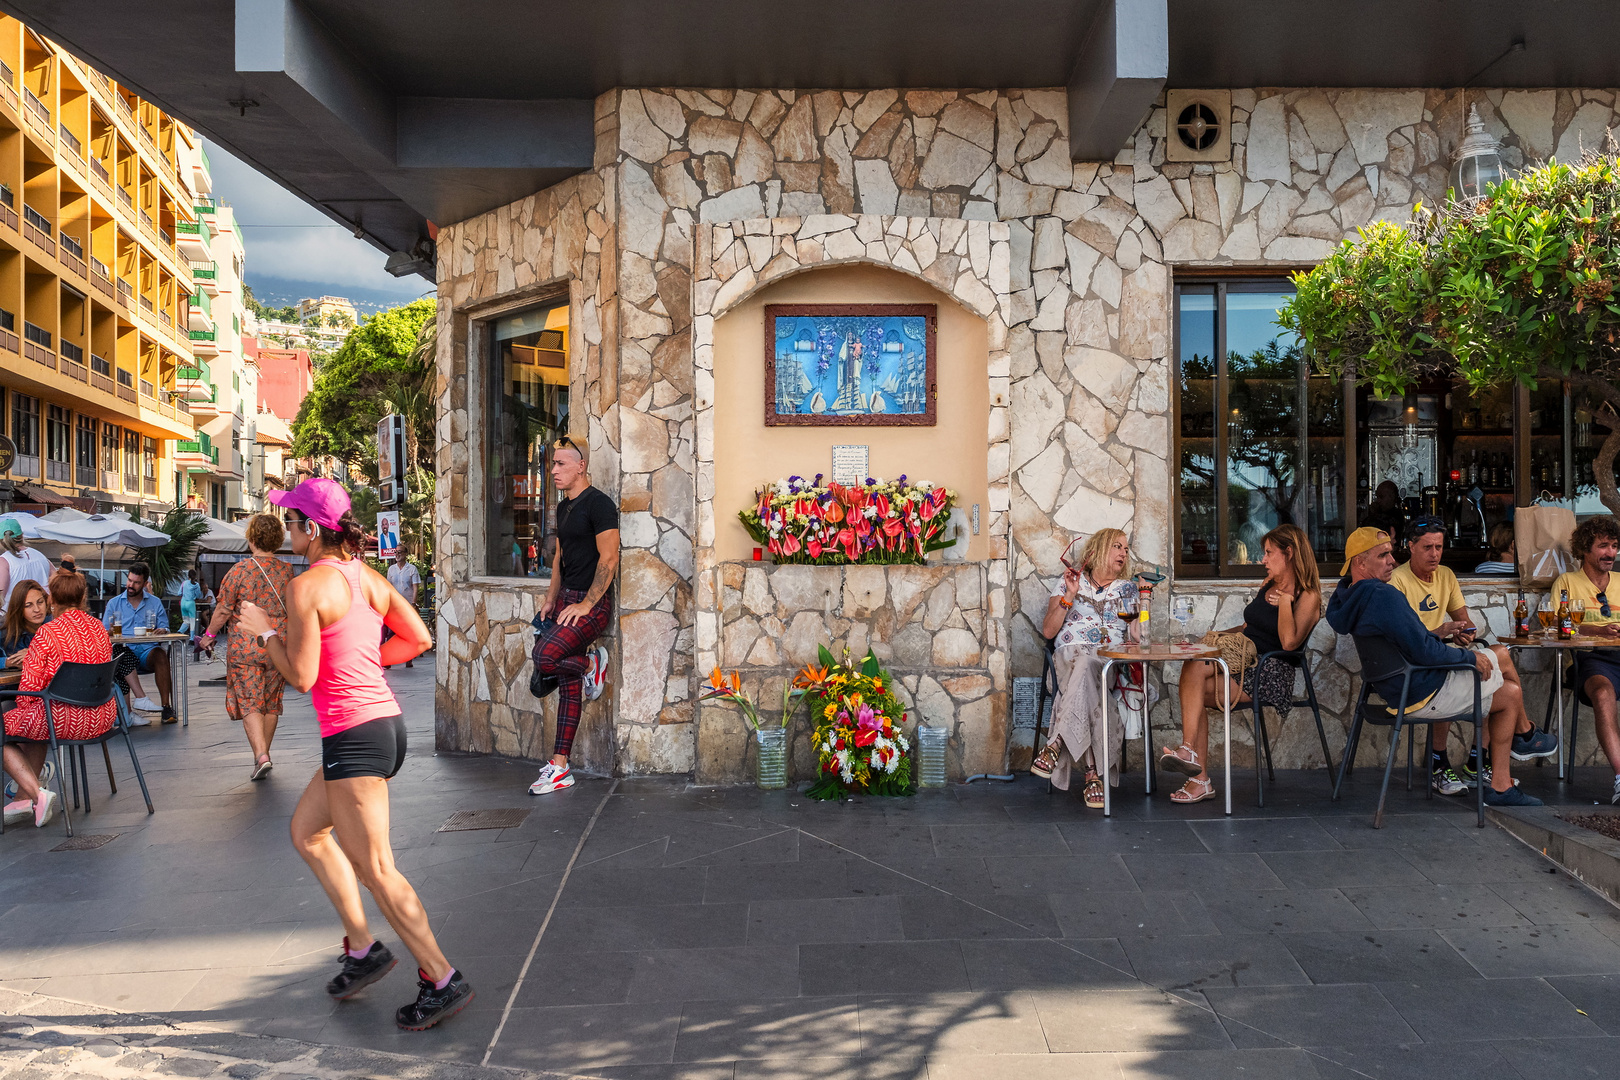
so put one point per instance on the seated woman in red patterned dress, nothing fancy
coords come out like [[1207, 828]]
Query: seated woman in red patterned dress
[[72, 636]]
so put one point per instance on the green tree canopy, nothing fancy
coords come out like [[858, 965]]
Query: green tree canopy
[[1518, 286]]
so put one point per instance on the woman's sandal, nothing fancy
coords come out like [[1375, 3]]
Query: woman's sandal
[[1172, 761], [1194, 790], [1094, 792]]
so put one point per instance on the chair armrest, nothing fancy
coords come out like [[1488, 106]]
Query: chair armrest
[[12, 695], [1444, 667]]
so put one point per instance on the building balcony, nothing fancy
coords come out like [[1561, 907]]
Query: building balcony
[[38, 116], [196, 455], [101, 375], [206, 277], [193, 238], [37, 228], [202, 180], [204, 342], [202, 312], [8, 86]]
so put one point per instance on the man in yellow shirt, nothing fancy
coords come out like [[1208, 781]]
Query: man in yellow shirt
[[1435, 595], [1596, 543]]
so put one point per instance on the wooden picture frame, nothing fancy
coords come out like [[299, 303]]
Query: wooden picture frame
[[851, 365]]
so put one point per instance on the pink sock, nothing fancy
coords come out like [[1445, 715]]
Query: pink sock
[[442, 983], [358, 954]]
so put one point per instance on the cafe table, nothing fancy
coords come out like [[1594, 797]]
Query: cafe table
[[185, 661], [1558, 647], [1160, 653]]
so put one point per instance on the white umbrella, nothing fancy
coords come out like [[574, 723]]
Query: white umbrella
[[65, 513], [103, 529], [222, 536], [29, 523]]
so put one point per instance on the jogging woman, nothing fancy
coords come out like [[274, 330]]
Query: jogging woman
[[335, 615]]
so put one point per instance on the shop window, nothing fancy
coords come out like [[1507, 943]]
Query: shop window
[[1261, 442], [528, 410]]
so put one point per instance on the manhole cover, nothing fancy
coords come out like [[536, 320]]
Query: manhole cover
[[468, 820], [88, 842]]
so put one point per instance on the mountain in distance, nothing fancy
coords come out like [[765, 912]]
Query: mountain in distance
[[280, 292]]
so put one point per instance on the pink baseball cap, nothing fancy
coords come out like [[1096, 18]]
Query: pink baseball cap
[[321, 500]]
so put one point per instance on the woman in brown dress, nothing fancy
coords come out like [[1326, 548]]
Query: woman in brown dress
[[252, 684]]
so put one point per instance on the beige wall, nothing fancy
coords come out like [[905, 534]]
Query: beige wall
[[748, 454]]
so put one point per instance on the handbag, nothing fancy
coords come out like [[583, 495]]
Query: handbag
[[1541, 540], [1237, 649], [541, 686]]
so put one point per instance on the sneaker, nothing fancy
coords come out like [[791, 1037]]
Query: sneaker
[[359, 974], [1485, 774], [1534, 744], [1511, 797], [1470, 772], [145, 704], [19, 811], [10, 791], [1447, 782], [169, 715], [137, 720], [596, 677], [551, 778], [44, 808], [432, 1004], [1616, 800], [262, 769], [47, 775]]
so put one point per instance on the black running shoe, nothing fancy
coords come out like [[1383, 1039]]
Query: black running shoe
[[169, 715], [359, 974], [432, 1004]]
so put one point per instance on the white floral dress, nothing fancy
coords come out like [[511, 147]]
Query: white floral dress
[[1077, 720]]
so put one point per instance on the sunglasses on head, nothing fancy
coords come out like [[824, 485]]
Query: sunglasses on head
[[563, 440], [1423, 526]]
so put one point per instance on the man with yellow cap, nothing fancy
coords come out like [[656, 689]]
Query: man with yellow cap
[[1365, 604]]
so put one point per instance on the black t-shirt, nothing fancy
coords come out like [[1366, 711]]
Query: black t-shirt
[[579, 521]]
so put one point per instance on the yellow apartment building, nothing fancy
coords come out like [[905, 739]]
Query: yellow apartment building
[[102, 346]]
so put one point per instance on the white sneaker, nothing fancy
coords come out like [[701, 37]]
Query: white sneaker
[[137, 720], [19, 811], [552, 778], [145, 704], [596, 677]]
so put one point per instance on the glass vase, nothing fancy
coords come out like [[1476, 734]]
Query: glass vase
[[772, 757], [931, 756]]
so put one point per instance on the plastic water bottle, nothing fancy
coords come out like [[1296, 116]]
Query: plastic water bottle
[[931, 756]]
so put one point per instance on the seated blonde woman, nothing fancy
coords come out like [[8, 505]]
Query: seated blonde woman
[[1082, 615], [1278, 619]]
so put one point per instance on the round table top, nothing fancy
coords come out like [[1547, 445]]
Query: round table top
[[1161, 652], [10, 677], [140, 639], [1579, 641]]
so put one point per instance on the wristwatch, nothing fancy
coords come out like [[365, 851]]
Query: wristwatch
[[267, 635]]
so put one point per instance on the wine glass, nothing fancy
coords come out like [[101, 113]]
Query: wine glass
[[1181, 610], [1577, 610], [1547, 614], [1128, 615]]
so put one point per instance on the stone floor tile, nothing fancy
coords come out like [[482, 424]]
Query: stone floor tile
[[956, 841], [824, 921], [1126, 1020], [1279, 1064], [581, 1038], [1508, 952], [883, 967], [1596, 995], [1344, 1015], [741, 884], [1192, 871], [1076, 1066], [1436, 907], [799, 1027], [1263, 834], [1378, 956], [736, 973], [926, 1025], [1239, 911], [1340, 869], [1121, 915], [1043, 964], [1461, 1009], [1123, 837], [1200, 961], [1022, 875], [1418, 1061], [628, 929], [936, 915]]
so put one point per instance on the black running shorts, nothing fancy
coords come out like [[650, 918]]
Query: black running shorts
[[374, 748]]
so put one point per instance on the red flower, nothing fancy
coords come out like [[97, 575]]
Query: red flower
[[866, 737]]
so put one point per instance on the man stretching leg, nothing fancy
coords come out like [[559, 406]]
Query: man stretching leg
[[581, 576], [1596, 542]]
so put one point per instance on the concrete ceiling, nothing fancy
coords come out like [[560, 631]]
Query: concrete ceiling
[[388, 113]]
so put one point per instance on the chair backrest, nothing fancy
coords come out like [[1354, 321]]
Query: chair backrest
[[1380, 659], [88, 685]]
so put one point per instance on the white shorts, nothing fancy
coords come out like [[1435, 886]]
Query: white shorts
[[1456, 694]]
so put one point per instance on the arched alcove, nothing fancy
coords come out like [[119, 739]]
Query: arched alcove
[[748, 454]]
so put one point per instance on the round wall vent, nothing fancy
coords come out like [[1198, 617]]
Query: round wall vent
[[1198, 127]]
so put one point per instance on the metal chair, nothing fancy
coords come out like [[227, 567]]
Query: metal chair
[[1572, 683], [86, 686], [1295, 659], [1380, 661]]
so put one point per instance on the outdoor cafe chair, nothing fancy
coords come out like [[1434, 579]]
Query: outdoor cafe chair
[[1380, 660], [1048, 698], [88, 686], [1262, 739], [1572, 683]]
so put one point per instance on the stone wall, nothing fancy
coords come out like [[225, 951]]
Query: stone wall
[[926, 624], [698, 196]]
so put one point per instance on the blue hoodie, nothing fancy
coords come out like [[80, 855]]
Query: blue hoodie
[[1377, 609]]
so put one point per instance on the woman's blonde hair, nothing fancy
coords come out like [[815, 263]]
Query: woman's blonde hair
[[1096, 547], [1292, 542], [11, 543]]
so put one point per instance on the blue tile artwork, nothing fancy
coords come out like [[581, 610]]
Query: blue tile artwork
[[859, 367]]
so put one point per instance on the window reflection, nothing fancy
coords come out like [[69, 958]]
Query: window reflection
[[528, 410]]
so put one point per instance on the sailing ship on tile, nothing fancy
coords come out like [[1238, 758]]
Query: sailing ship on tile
[[851, 365]]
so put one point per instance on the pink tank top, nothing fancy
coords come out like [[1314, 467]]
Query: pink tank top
[[349, 689]]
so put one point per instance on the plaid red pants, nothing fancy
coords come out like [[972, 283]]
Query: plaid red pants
[[562, 657]]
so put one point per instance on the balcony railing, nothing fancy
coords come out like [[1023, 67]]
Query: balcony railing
[[132, 482], [99, 277], [71, 243], [163, 317], [126, 198], [126, 393], [71, 140], [148, 390], [99, 171], [10, 341], [8, 84], [36, 111], [37, 345], [203, 335], [125, 292], [146, 304], [73, 362], [204, 273], [72, 255], [109, 477], [100, 366], [38, 229], [8, 207]]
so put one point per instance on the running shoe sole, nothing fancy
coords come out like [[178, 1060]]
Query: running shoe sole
[[360, 984], [442, 1016], [547, 789], [262, 770], [1531, 757]]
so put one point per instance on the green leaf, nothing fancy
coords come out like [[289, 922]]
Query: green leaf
[[825, 657]]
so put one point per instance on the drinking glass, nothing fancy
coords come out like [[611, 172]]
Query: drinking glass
[[1547, 614], [1130, 616], [151, 622], [1577, 611], [1181, 610]]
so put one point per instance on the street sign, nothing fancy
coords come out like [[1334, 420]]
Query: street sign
[[8, 453], [391, 460]]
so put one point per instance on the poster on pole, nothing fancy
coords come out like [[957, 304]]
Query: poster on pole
[[391, 459], [387, 533]]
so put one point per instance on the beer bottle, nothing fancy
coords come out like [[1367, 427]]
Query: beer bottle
[[1566, 625], [1521, 619]]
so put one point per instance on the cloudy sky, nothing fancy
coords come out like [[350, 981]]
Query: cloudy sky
[[294, 251]]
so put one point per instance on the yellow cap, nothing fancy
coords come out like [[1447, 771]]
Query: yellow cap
[[1362, 540]]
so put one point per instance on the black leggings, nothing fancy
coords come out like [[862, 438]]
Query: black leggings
[[374, 748]]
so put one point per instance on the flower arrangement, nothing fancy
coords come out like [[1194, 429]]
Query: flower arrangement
[[858, 740], [728, 688], [880, 521]]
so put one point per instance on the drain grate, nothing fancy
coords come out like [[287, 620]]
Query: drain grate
[[469, 820], [86, 842]]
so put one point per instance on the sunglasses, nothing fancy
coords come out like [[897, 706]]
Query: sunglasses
[[1425, 525], [1603, 605], [563, 441]]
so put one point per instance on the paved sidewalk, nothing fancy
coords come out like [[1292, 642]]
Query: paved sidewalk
[[975, 933]]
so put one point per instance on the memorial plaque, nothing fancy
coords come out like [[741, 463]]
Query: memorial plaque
[[851, 464]]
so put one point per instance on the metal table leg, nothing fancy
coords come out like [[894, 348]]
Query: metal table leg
[[1108, 802], [1558, 684], [1226, 712]]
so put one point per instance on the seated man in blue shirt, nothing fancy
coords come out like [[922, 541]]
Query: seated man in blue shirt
[[1366, 604], [135, 606]]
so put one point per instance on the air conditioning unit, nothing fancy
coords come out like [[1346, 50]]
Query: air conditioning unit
[[1198, 125]]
